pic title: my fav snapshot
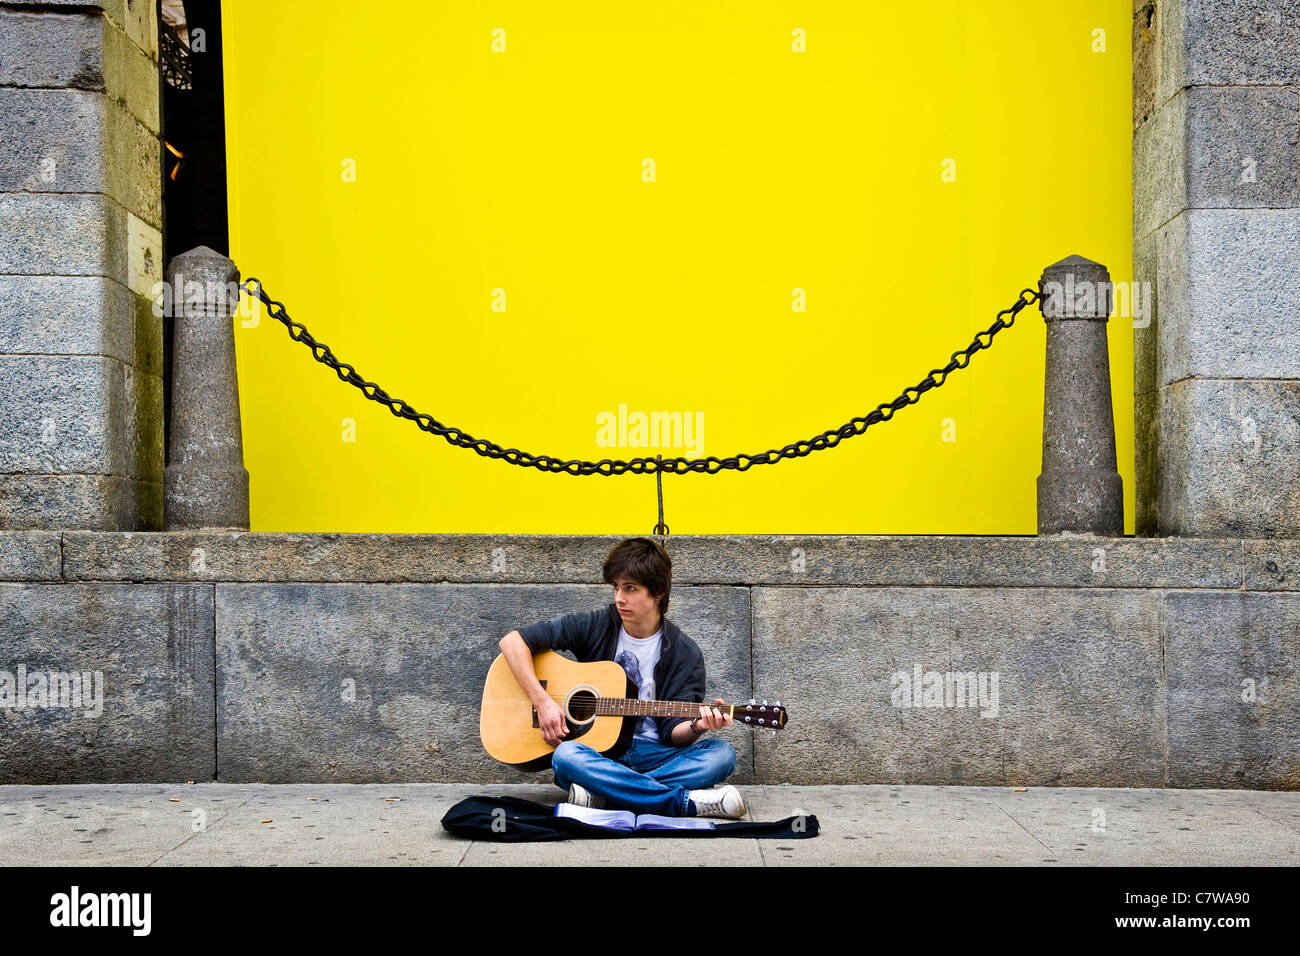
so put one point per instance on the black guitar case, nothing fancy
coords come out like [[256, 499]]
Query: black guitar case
[[514, 820]]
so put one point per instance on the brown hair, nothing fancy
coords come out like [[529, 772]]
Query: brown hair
[[645, 562]]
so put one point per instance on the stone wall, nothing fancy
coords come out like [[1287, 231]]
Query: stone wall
[[80, 251], [1216, 229], [1119, 662]]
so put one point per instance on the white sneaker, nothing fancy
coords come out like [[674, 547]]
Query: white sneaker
[[585, 798], [718, 802]]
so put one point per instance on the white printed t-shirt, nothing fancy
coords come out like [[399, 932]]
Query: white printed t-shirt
[[639, 655]]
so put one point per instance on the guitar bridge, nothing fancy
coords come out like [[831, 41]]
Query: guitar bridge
[[535, 723]]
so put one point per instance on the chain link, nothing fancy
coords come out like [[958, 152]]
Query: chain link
[[658, 464]]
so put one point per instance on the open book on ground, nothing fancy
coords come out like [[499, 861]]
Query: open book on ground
[[627, 820]]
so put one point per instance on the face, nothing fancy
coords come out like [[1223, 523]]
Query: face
[[637, 606]]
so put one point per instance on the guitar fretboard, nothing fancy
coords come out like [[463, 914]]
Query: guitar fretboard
[[627, 707]]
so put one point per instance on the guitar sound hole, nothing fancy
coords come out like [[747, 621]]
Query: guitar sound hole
[[582, 706]]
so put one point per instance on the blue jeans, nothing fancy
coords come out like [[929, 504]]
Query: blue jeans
[[650, 777]]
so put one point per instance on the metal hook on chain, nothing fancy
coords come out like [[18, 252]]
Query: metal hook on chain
[[661, 529]]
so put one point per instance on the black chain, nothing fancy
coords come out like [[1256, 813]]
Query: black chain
[[658, 464]]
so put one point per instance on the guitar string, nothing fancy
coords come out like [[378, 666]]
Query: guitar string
[[674, 703], [582, 712]]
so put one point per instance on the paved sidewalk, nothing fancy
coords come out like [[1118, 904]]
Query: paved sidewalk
[[398, 824]]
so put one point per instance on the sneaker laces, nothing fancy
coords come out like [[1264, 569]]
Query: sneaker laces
[[711, 803]]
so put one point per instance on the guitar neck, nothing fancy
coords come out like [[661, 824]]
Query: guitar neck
[[628, 707], [755, 714]]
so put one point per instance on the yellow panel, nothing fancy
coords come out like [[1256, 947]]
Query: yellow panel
[[516, 177]]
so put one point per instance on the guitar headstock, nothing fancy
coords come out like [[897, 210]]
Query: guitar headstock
[[762, 715]]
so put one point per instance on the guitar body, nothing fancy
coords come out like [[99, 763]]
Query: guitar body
[[508, 723]]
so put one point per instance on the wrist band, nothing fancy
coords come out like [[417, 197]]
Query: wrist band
[[697, 733]]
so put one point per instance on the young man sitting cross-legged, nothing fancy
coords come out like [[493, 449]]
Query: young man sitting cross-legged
[[670, 768]]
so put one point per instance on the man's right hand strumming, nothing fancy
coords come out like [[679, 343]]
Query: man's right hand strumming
[[551, 719], [549, 716]]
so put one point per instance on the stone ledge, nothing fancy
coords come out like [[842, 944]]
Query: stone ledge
[[1271, 565], [31, 555], [799, 560]]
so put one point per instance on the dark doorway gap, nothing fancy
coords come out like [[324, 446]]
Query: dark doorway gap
[[194, 123]]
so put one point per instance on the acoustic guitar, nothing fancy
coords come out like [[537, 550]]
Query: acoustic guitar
[[599, 704]]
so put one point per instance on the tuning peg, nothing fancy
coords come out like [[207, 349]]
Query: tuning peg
[[752, 701], [778, 703], [764, 701]]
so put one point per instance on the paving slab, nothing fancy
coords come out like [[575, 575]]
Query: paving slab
[[229, 824]]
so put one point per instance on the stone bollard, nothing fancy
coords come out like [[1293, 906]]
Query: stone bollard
[[205, 484], [1080, 490]]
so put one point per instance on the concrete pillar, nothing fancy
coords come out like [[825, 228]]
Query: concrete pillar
[[80, 255], [1080, 489], [1216, 240], [205, 482]]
